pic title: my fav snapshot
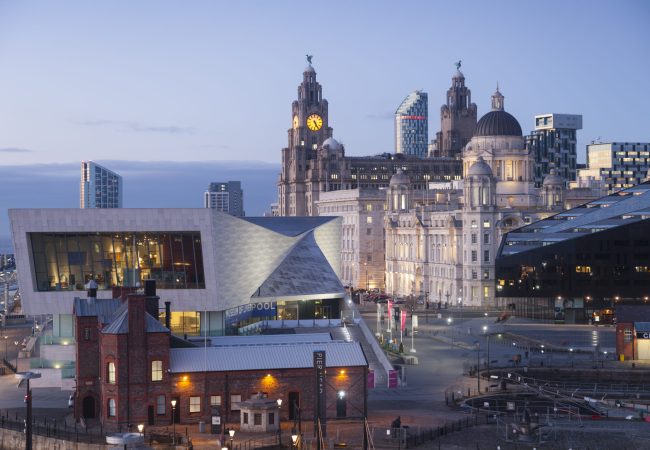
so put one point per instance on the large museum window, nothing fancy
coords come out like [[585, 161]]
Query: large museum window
[[110, 372], [156, 370], [67, 261]]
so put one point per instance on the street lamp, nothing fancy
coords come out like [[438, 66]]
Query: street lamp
[[294, 439], [174, 421], [6, 337], [24, 377], [16, 342], [141, 429], [231, 432], [279, 422]]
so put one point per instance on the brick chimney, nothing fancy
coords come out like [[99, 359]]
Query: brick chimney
[[136, 308]]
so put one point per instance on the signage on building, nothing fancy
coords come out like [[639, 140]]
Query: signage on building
[[244, 312], [320, 413], [643, 334]]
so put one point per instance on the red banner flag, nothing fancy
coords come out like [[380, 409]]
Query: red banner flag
[[403, 319]]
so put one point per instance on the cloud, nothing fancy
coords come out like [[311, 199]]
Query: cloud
[[14, 150], [125, 125], [381, 116]]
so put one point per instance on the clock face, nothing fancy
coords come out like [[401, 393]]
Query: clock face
[[295, 122], [314, 122]]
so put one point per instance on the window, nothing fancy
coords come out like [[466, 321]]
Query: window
[[257, 419], [368, 206], [473, 238], [486, 292], [628, 335], [486, 255], [474, 224], [156, 371], [86, 334], [474, 275], [215, 400], [160, 405], [111, 407], [271, 418], [486, 238], [474, 257], [235, 400], [486, 224], [110, 376], [486, 274], [368, 219], [195, 404], [245, 418]]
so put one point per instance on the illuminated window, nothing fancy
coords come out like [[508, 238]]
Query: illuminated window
[[111, 407], [486, 292], [474, 225], [486, 224], [110, 375], [215, 400], [156, 371], [628, 335], [195, 404], [368, 219]]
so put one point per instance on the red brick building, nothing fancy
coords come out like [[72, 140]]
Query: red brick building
[[633, 332], [130, 368]]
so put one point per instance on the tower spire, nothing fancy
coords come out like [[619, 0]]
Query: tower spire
[[497, 100]]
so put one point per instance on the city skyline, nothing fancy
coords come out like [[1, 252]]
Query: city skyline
[[160, 81]]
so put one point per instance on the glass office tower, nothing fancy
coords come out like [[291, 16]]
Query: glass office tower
[[412, 125]]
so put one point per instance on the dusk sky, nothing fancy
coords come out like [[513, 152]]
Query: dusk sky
[[210, 80]]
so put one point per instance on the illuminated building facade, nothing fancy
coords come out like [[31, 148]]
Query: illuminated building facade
[[214, 268], [578, 264]]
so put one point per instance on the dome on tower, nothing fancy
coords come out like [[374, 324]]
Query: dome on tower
[[310, 68], [498, 123], [399, 178], [480, 168], [553, 179], [332, 143]]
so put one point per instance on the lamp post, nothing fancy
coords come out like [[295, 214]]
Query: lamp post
[[141, 429], [478, 367], [16, 342], [5, 337], [231, 432], [24, 377], [294, 439], [279, 422], [365, 264], [174, 421]]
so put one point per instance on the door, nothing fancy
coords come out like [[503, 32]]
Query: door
[[341, 406], [89, 407], [150, 415], [323, 312], [177, 410], [294, 405]]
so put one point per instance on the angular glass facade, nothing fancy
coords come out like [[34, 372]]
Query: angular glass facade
[[412, 125], [67, 261]]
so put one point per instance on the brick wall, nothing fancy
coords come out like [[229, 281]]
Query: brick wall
[[625, 348]]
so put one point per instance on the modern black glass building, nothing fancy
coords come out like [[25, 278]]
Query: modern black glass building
[[577, 265]]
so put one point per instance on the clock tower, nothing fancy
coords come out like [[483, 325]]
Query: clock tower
[[309, 129]]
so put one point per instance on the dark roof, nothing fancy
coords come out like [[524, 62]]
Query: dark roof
[[497, 123], [288, 226], [632, 313], [102, 308], [120, 324]]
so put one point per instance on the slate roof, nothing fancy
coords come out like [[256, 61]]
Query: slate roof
[[304, 271], [265, 357], [498, 123], [102, 308], [288, 226], [258, 339], [120, 324]]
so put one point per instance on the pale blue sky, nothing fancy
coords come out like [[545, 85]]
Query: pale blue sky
[[209, 80]]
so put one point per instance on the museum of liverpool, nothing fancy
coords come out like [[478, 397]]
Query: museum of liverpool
[[220, 273]]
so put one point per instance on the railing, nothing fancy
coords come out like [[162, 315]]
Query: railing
[[48, 427]]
